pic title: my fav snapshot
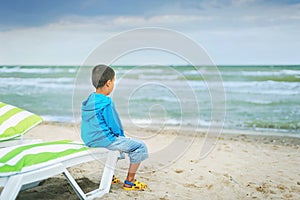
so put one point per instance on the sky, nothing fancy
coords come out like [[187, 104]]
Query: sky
[[232, 32]]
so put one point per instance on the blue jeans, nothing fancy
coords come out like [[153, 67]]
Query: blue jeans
[[136, 149]]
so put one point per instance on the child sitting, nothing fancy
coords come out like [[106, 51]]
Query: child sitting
[[101, 125]]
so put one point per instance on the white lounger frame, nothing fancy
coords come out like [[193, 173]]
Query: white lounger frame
[[14, 183]]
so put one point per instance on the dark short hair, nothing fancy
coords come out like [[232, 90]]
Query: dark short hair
[[101, 74]]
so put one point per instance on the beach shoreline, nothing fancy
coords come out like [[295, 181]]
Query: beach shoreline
[[239, 166], [191, 129]]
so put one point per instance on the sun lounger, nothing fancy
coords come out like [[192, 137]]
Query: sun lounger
[[14, 122], [28, 163], [25, 162]]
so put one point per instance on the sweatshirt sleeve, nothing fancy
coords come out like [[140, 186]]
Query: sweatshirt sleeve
[[112, 120]]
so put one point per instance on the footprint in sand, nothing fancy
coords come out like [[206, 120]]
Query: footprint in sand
[[191, 185], [178, 171]]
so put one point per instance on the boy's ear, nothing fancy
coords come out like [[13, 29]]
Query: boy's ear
[[108, 83]]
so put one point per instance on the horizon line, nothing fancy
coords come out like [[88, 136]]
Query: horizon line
[[127, 65]]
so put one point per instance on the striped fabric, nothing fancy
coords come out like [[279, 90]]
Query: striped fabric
[[22, 158], [14, 121]]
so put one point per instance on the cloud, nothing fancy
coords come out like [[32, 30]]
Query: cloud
[[70, 40], [239, 27], [119, 22]]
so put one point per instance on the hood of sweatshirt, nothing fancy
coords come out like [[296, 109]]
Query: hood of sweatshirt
[[94, 103]]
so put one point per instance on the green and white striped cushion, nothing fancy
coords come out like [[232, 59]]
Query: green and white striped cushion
[[14, 121], [23, 158]]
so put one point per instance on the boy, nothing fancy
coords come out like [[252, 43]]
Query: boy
[[101, 125]]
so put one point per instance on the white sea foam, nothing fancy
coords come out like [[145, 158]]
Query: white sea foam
[[263, 87], [157, 98], [256, 101], [36, 81], [155, 77], [36, 70], [261, 73], [142, 122], [52, 118], [290, 72]]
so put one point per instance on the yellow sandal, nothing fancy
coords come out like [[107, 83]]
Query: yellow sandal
[[136, 185], [115, 180]]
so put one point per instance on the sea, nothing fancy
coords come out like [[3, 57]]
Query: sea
[[258, 98]]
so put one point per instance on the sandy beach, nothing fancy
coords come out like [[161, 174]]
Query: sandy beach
[[240, 166]]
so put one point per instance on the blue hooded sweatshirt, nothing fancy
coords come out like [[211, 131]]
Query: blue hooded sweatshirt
[[100, 121]]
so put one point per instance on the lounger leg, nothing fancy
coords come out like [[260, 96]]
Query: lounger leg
[[107, 175], [108, 172], [12, 188], [30, 185], [74, 185], [106, 179]]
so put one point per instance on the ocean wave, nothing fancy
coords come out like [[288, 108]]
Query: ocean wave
[[266, 87], [146, 122], [139, 70], [290, 72], [256, 73], [261, 102], [56, 118], [167, 122], [155, 77], [37, 70], [155, 99], [249, 87], [32, 85], [292, 125], [35, 81], [268, 83]]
